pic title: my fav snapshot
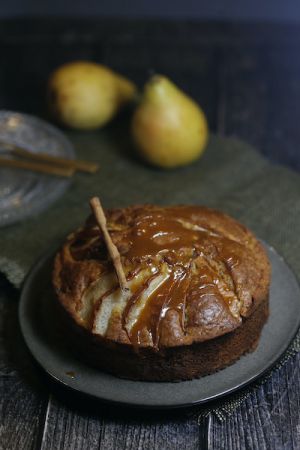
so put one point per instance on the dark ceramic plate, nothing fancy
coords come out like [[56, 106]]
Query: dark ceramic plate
[[48, 348]]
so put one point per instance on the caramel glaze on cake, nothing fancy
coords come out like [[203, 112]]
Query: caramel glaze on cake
[[198, 298]]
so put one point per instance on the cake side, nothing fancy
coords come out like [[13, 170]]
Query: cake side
[[170, 363]]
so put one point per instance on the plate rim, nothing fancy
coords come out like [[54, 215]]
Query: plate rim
[[26, 287]]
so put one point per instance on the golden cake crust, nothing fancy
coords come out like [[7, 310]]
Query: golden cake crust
[[195, 274]]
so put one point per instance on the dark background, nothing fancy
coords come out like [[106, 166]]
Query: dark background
[[246, 76], [270, 10]]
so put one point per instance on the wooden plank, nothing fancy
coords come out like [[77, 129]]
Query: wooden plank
[[120, 30], [269, 418], [81, 423], [252, 74], [261, 88], [65, 426], [22, 397], [258, 92]]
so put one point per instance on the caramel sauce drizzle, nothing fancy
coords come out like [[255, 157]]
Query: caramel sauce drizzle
[[170, 295], [164, 233], [168, 235], [159, 232], [136, 295]]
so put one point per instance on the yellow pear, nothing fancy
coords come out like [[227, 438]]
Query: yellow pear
[[168, 127], [86, 95]]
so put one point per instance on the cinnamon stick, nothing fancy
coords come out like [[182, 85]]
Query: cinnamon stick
[[112, 249], [37, 167], [84, 166]]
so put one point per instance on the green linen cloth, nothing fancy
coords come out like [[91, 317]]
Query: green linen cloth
[[230, 176]]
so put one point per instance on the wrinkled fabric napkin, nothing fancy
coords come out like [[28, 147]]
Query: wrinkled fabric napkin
[[230, 176]]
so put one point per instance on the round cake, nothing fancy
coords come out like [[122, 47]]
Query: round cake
[[197, 300]]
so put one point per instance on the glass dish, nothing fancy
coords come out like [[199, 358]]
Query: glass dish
[[24, 193]]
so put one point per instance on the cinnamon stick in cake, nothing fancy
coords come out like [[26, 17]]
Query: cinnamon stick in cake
[[112, 249]]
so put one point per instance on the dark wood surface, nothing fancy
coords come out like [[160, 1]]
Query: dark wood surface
[[247, 78]]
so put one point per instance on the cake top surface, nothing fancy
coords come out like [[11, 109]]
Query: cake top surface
[[193, 274]]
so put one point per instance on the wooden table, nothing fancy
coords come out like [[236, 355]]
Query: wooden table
[[247, 78]]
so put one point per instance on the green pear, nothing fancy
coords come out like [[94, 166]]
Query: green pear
[[168, 127], [85, 95]]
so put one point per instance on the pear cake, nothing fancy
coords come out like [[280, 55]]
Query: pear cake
[[197, 297]]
